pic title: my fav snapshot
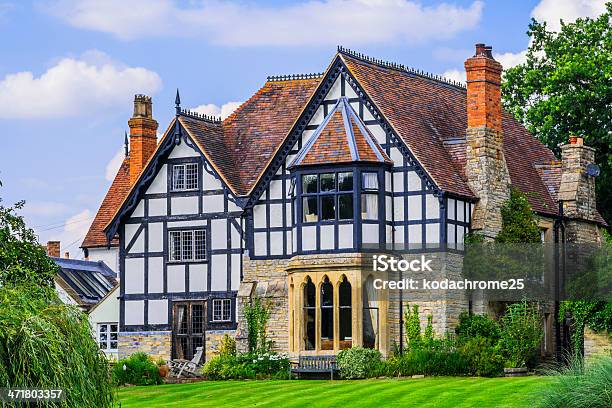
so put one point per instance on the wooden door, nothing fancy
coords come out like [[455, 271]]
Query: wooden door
[[188, 328]]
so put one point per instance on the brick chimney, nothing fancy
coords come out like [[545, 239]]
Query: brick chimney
[[486, 169], [53, 249], [143, 135]]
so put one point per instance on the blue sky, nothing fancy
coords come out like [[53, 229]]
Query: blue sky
[[69, 70]]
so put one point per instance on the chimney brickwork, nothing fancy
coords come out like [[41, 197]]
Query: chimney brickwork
[[143, 135], [486, 168], [577, 192], [53, 249]]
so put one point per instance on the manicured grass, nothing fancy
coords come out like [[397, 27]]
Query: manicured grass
[[426, 392]]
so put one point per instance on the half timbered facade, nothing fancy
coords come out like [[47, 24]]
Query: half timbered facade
[[286, 197]]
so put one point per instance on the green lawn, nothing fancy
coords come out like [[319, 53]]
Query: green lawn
[[427, 392]]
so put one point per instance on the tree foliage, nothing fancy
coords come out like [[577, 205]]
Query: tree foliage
[[22, 259], [46, 344], [564, 89], [519, 225]]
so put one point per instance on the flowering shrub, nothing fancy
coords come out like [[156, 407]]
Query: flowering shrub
[[359, 362], [248, 365]]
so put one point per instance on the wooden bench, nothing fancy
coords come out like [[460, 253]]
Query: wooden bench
[[315, 364]]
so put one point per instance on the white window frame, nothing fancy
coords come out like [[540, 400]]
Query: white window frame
[[184, 235], [184, 166], [108, 335], [225, 306]]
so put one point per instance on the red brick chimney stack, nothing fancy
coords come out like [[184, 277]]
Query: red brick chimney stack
[[53, 249], [143, 135], [486, 168], [483, 89]]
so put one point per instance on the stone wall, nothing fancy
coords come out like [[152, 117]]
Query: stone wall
[[266, 279], [157, 344], [596, 343], [213, 342]]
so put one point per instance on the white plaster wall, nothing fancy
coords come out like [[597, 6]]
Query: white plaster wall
[[182, 150], [134, 275], [156, 237], [156, 275], [197, 277], [218, 279], [158, 311], [134, 312], [184, 205], [327, 237], [432, 207], [158, 207], [345, 236], [109, 256], [213, 203], [107, 311], [276, 243], [176, 278], [309, 238], [160, 182], [218, 234]]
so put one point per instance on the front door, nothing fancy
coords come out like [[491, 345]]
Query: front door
[[188, 328]]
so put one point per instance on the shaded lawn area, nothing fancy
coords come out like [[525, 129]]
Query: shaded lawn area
[[425, 392]]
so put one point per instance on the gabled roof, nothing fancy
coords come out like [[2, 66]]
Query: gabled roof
[[87, 282], [427, 113], [255, 131], [114, 197], [342, 137]]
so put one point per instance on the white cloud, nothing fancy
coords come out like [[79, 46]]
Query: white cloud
[[454, 75], [112, 167], [73, 86], [211, 109], [511, 59], [73, 232], [312, 22], [552, 11]]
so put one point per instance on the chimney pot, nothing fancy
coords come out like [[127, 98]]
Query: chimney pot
[[143, 107], [143, 135], [53, 249]]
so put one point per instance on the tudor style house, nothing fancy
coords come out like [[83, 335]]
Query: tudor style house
[[285, 198]]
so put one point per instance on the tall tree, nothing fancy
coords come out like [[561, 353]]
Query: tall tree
[[565, 88]]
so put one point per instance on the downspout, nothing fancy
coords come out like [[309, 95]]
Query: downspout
[[559, 259]]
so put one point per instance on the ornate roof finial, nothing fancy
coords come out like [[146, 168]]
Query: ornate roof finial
[[126, 145], [177, 102]]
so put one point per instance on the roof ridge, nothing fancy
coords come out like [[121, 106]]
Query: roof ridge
[[294, 77], [200, 116], [400, 67]]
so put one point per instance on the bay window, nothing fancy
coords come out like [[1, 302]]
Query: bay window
[[327, 196]]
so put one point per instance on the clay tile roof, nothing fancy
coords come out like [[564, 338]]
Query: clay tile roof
[[341, 138], [210, 138], [255, 131], [430, 116], [114, 197]]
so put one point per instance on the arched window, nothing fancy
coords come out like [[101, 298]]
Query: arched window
[[327, 315], [309, 315], [346, 320], [370, 315]]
